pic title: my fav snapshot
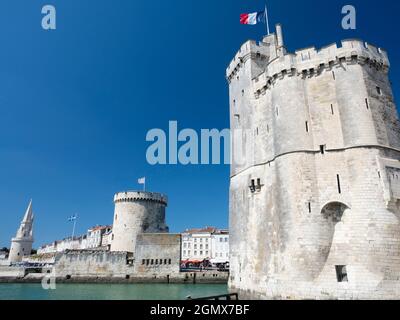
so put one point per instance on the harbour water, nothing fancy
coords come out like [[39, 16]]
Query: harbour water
[[110, 291]]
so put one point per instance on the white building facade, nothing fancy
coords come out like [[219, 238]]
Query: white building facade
[[95, 238], [220, 247], [3, 255], [205, 244], [106, 239], [77, 243]]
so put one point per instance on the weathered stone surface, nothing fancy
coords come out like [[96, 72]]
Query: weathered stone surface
[[135, 213], [322, 137], [157, 254], [21, 244], [92, 264], [7, 272]]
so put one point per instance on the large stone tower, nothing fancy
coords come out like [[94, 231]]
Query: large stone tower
[[137, 212], [21, 245], [315, 178]]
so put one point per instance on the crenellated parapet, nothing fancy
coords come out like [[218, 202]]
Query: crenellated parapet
[[315, 192], [134, 196], [249, 50], [137, 212], [310, 62]]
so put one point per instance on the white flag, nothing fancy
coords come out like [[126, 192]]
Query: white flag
[[142, 180]]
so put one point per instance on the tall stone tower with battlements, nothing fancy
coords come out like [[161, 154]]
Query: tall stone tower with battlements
[[21, 244], [315, 194], [137, 212]]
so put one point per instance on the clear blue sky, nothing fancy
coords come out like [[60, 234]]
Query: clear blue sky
[[76, 103]]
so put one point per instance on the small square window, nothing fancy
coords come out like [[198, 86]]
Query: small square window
[[379, 90], [341, 273], [252, 186], [259, 185]]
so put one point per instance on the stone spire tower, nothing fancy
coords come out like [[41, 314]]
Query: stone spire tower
[[21, 245]]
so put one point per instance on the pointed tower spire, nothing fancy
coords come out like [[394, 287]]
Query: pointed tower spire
[[21, 245], [28, 214]]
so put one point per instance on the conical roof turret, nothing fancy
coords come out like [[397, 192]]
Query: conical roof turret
[[28, 217]]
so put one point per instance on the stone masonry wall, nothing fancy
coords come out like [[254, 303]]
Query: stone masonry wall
[[158, 254], [324, 152], [135, 213], [92, 264]]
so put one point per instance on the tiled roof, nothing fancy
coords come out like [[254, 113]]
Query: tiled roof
[[201, 230], [211, 230], [222, 231], [99, 228]]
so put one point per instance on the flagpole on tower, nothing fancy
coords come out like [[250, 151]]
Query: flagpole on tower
[[266, 19], [73, 229], [143, 182], [73, 218]]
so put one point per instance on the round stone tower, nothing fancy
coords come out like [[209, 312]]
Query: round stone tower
[[315, 176], [137, 212], [21, 244]]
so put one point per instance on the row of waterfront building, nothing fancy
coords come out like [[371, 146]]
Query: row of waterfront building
[[205, 244], [136, 247], [98, 237], [197, 245]]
